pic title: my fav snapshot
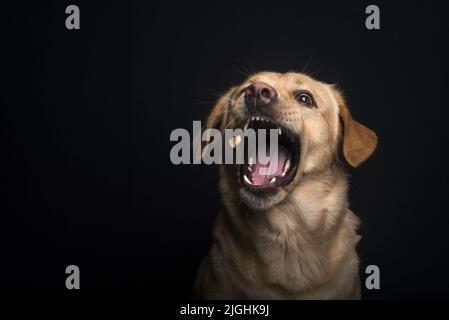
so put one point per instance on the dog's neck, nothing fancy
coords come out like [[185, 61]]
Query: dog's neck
[[313, 224]]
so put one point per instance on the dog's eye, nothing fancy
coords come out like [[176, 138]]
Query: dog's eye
[[305, 99]]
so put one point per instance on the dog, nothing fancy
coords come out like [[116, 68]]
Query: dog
[[294, 236]]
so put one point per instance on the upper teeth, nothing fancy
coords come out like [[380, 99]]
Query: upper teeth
[[260, 118], [235, 141], [273, 180]]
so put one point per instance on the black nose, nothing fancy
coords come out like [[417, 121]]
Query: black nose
[[260, 94]]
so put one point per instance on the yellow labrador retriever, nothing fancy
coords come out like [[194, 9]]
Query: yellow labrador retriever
[[291, 234]]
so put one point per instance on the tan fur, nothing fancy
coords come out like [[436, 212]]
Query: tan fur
[[301, 245]]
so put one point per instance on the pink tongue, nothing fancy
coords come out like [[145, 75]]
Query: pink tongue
[[262, 177]]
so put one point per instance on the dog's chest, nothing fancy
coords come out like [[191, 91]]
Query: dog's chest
[[290, 261]]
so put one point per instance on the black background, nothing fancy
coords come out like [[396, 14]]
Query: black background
[[86, 117]]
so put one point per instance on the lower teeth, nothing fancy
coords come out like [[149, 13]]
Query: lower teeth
[[286, 167], [246, 179]]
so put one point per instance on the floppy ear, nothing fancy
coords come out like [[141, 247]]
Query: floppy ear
[[359, 142], [219, 112], [218, 115]]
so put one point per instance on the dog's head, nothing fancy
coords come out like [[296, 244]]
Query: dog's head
[[313, 123]]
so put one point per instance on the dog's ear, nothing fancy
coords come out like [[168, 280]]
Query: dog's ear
[[359, 142], [218, 115]]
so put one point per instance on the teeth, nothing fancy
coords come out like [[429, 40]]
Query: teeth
[[246, 126], [246, 179], [286, 167], [257, 118], [273, 180], [232, 142], [249, 168], [235, 141], [279, 131]]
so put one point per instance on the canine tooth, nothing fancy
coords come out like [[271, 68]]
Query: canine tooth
[[285, 168], [273, 180], [246, 179], [238, 139], [235, 141], [246, 125], [249, 168], [279, 131], [287, 165]]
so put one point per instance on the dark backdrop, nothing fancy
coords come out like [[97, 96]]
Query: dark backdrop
[[86, 117]]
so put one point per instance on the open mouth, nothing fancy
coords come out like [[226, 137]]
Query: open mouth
[[278, 171]]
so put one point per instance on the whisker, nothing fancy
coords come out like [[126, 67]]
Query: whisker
[[206, 102], [248, 73], [231, 122], [251, 67], [308, 61], [245, 74]]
